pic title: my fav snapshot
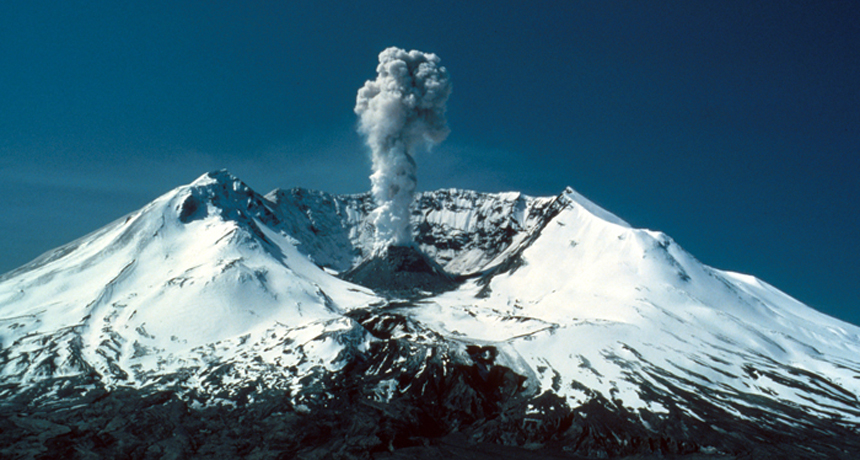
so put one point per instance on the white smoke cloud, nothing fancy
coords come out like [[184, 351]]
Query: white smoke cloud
[[401, 111]]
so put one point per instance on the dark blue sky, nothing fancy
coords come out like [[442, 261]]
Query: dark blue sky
[[732, 126]]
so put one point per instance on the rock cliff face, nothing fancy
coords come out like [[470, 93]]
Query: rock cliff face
[[464, 231], [219, 323]]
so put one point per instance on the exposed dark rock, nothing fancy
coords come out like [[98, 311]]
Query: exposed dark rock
[[188, 208], [401, 398]]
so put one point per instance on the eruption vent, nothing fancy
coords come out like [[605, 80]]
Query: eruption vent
[[399, 112]]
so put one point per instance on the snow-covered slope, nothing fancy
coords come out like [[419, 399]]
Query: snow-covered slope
[[596, 308], [155, 291], [564, 324]]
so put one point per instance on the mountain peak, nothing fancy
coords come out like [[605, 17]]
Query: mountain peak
[[572, 195], [223, 193], [221, 176]]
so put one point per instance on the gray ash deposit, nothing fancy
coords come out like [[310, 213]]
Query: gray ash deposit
[[401, 271]]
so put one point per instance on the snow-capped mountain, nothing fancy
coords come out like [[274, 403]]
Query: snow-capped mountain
[[559, 328]]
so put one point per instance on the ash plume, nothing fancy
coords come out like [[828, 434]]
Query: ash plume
[[400, 112]]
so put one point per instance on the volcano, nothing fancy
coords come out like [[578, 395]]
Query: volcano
[[213, 323]]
